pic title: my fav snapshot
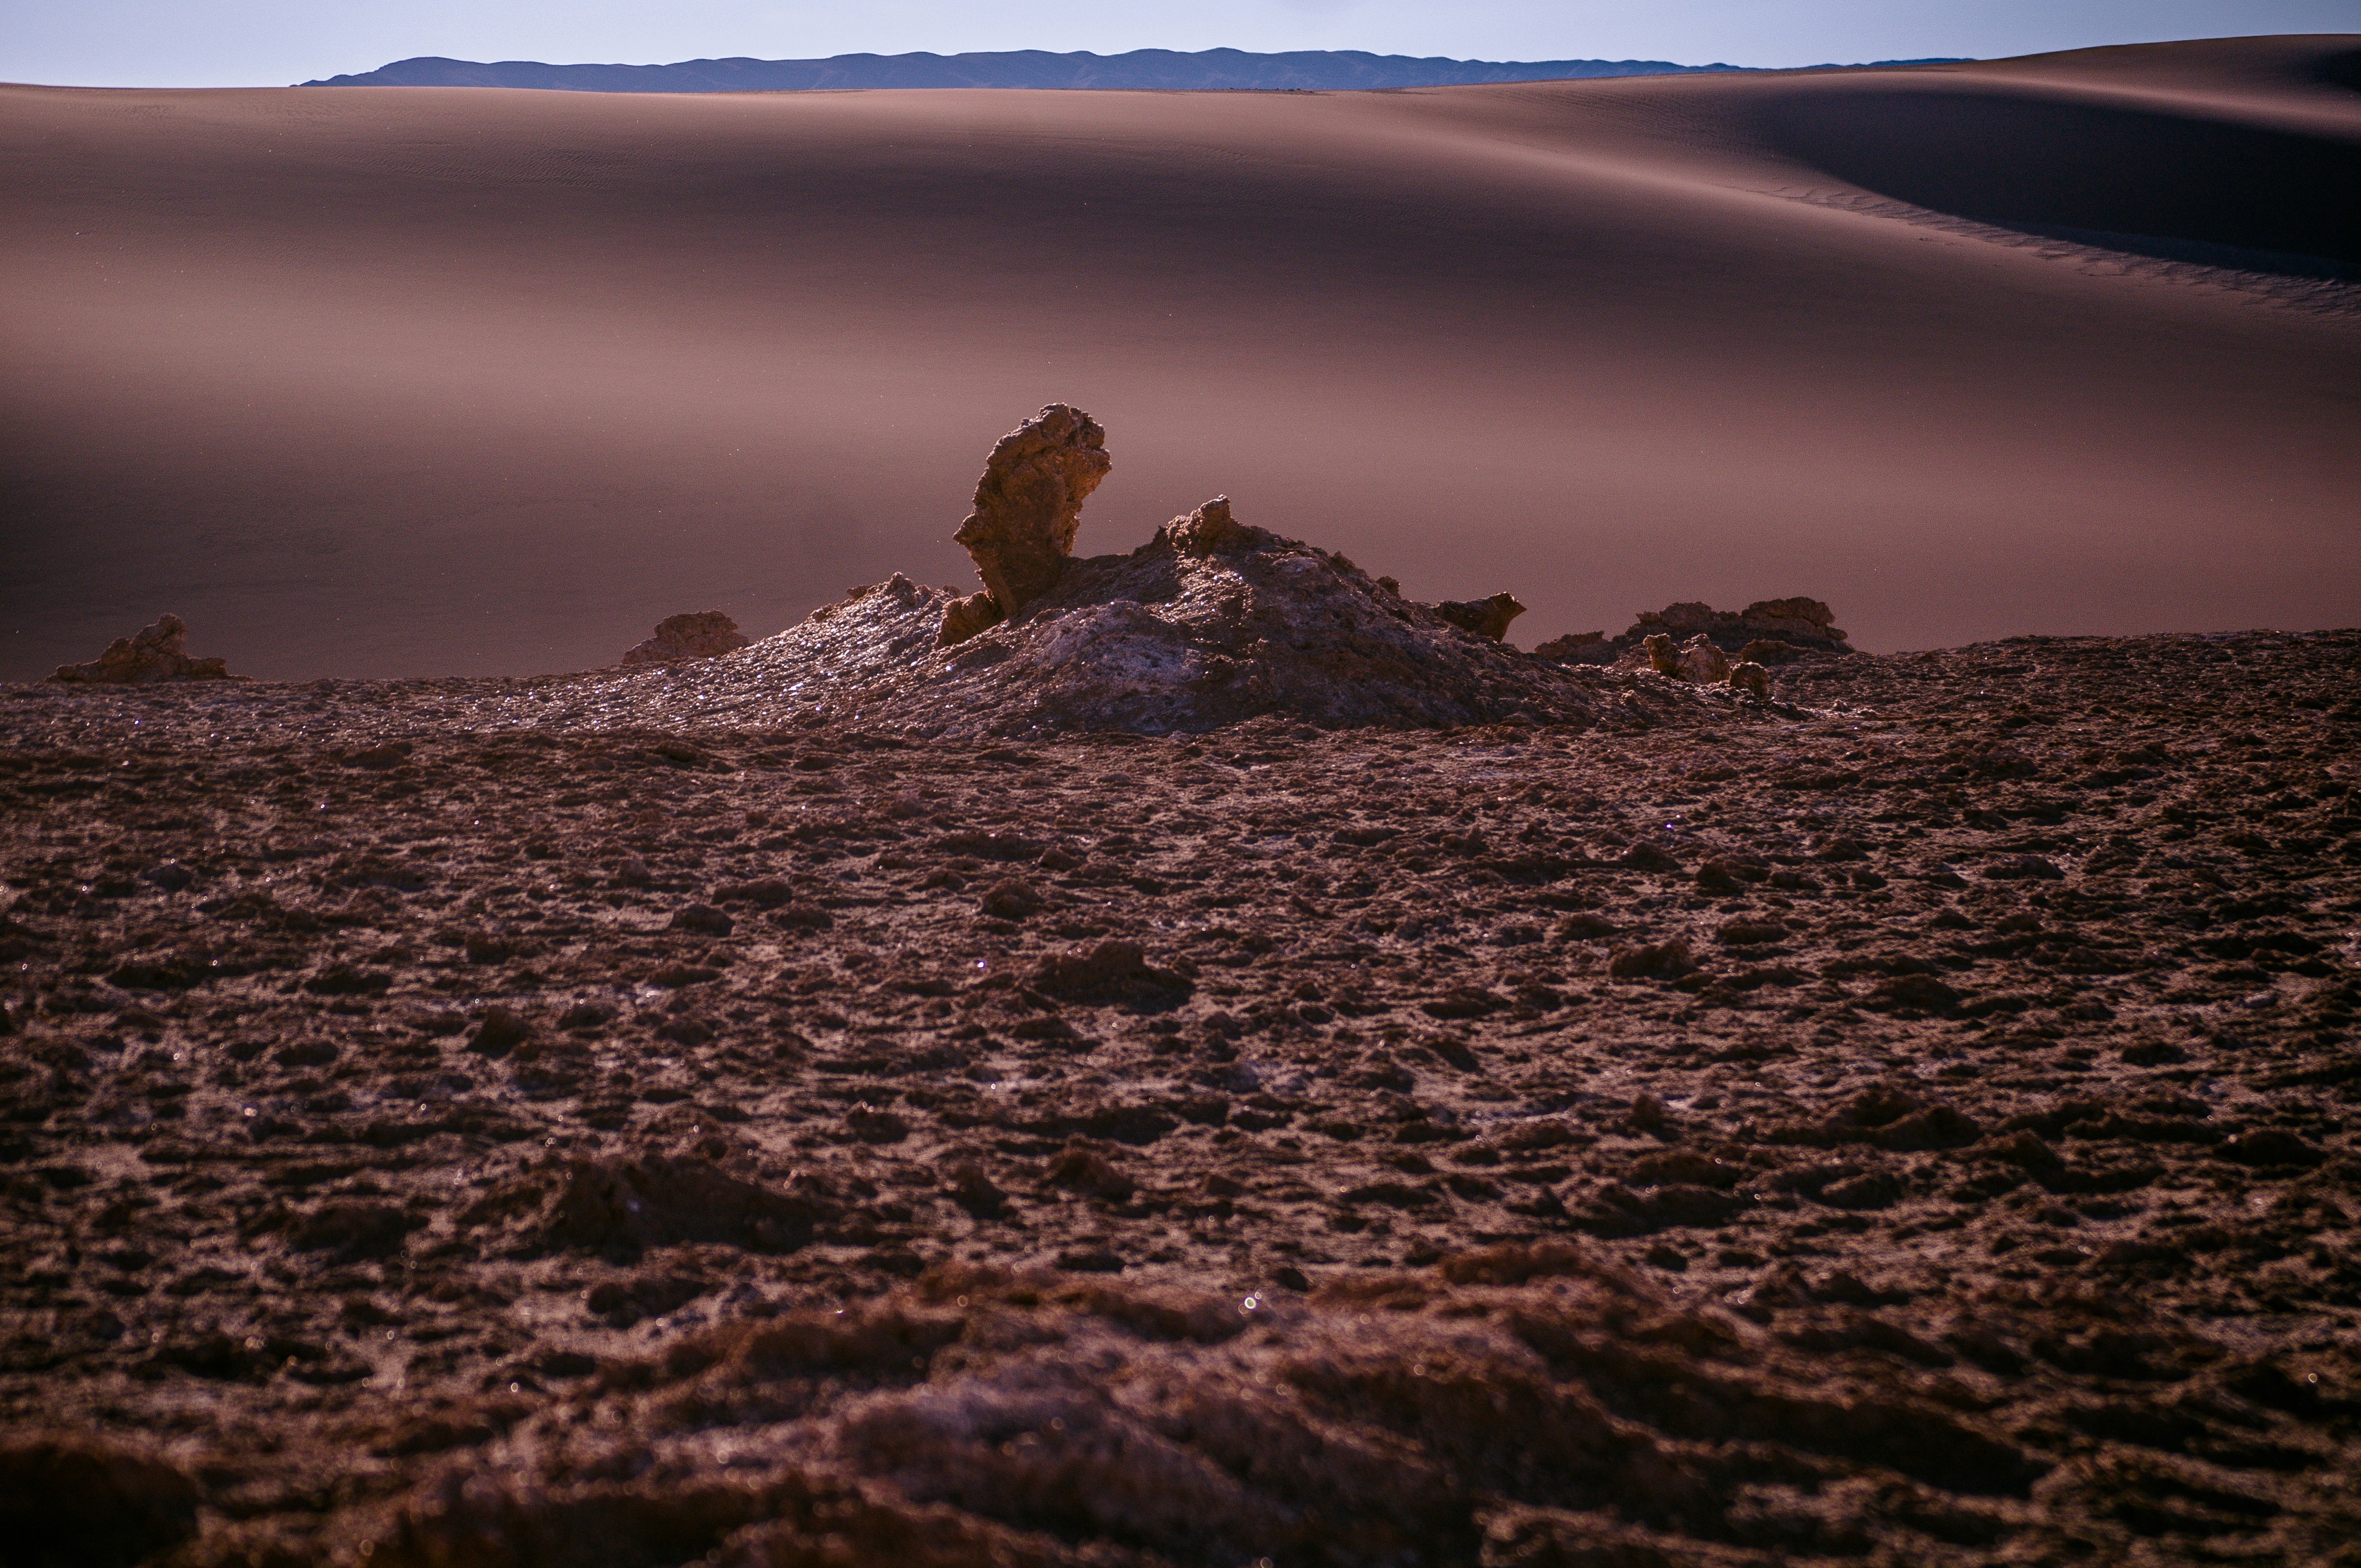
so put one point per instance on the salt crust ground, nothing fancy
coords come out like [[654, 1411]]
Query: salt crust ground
[[1913, 1127]]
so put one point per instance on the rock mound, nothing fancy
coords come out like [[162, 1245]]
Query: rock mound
[[700, 634], [1210, 622], [159, 652]]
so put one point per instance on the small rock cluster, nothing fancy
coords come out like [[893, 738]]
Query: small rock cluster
[[1766, 633], [1703, 664], [159, 652]]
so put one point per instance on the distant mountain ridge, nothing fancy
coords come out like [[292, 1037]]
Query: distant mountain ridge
[[1207, 69]]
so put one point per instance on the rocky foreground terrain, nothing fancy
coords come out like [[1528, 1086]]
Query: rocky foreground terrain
[[1909, 1120]]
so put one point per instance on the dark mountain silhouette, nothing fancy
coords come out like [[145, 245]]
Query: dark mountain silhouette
[[1147, 68]]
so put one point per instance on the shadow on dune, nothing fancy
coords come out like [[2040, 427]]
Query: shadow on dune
[[2341, 69], [2182, 187]]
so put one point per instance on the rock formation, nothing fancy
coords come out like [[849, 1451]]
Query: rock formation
[[1027, 507], [700, 634], [1753, 679], [1210, 622], [1487, 618], [156, 653]]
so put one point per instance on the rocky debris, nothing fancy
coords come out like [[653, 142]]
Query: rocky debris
[[1750, 678], [500, 1032], [157, 652], [1487, 618], [700, 634], [1661, 656], [1028, 505]]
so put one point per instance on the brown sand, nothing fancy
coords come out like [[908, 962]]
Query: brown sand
[[433, 1142], [397, 380]]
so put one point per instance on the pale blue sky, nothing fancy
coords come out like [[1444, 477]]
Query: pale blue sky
[[264, 42]]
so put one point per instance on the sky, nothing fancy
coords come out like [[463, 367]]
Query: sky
[[189, 43]]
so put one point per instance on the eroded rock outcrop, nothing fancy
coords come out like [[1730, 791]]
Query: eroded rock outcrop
[[1027, 507], [159, 652], [700, 634]]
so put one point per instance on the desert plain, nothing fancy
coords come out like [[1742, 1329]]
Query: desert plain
[[1225, 1062]]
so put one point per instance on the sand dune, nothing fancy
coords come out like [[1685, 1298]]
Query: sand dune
[[438, 380]]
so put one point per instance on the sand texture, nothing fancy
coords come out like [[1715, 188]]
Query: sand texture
[[1908, 1122], [425, 382]]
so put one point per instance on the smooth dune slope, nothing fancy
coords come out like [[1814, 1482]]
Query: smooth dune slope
[[438, 380]]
